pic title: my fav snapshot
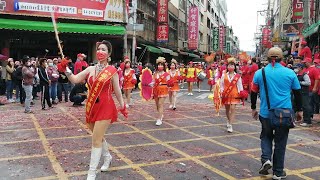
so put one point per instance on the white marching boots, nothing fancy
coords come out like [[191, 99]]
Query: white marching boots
[[94, 162], [106, 156]]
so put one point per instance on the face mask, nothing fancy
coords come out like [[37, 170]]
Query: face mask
[[50, 64], [101, 55], [160, 68], [127, 65], [296, 70], [230, 69], [172, 67], [318, 66]]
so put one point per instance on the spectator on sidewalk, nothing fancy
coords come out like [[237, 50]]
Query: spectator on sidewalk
[[304, 83], [44, 83], [80, 64], [280, 82], [305, 51], [28, 74], [20, 94], [313, 73], [78, 94], [9, 83], [53, 75]]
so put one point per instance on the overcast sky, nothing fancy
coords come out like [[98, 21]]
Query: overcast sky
[[242, 16]]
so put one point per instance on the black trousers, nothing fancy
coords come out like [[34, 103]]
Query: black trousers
[[45, 96], [22, 93]]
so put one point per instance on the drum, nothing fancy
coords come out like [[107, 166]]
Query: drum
[[202, 75]]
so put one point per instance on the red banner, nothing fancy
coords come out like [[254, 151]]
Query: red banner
[[162, 11], [163, 33], [102, 10], [266, 32], [193, 29], [221, 37]]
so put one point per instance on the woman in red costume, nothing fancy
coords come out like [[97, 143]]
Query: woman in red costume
[[175, 77], [212, 75], [230, 88], [191, 76], [101, 110], [129, 81], [161, 81]]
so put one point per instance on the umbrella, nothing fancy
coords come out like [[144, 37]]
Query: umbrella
[[3, 57]]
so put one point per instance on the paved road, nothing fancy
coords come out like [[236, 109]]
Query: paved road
[[191, 144]]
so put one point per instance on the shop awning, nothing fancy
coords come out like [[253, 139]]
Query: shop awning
[[193, 55], [175, 54], [165, 50], [311, 29], [14, 24], [153, 49]]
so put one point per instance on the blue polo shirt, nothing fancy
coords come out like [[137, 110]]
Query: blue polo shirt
[[280, 82]]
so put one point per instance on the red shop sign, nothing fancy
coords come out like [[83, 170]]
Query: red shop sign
[[193, 29], [163, 33], [102, 10], [162, 11]]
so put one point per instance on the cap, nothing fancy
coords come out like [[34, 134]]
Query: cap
[[190, 62], [275, 52], [304, 43], [316, 61], [299, 65], [307, 60]]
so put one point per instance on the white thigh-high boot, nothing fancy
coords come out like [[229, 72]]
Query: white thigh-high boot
[[94, 162], [106, 156]]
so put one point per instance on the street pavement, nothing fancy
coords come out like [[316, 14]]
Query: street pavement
[[191, 144]]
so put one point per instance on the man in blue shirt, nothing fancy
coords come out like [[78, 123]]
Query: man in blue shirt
[[281, 81]]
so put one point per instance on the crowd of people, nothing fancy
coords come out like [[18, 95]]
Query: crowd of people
[[291, 83]]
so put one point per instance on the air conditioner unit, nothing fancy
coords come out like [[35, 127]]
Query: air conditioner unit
[[145, 16]]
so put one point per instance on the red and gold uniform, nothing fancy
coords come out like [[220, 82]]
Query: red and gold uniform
[[129, 80], [245, 75], [198, 70], [191, 74], [183, 73], [100, 105], [174, 77], [160, 88], [231, 88]]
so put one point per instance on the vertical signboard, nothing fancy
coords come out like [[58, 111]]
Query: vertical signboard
[[162, 27], [221, 37], [162, 11], [297, 9], [215, 39], [193, 29], [266, 32]]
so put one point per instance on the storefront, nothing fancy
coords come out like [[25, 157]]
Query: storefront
[[27, 28]]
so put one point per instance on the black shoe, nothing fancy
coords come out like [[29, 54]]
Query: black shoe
[[279, 177], [266, 165]]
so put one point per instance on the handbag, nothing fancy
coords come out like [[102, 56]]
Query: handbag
[[279, 117]]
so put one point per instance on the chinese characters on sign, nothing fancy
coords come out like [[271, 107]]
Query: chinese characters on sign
[[163, 33], [266, 32], [193, 29], [102, 10], [222, 37], [163, 27], [215, 39], [162, 11]]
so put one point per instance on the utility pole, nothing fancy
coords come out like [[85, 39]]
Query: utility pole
[[134, 7], [306, 13], [125, 19]]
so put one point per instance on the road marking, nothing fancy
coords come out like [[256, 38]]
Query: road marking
[[203, 96], [138, 169], [50, 154], [22, 157]]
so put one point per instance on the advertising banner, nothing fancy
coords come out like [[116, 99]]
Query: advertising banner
[[292, 29], [297, 8], [193, 29], [163, 11], [98, 10], [215, 39], [163, 33], [266, 32]]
